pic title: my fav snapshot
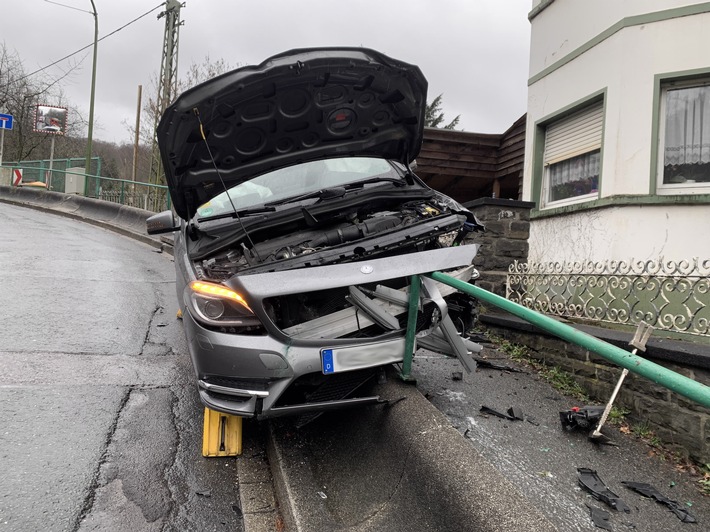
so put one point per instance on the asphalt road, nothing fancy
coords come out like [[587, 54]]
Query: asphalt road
[[100, 423]]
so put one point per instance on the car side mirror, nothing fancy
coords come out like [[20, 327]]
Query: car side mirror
[[163, 222]]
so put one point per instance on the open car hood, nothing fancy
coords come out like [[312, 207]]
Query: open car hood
[[294, 107]]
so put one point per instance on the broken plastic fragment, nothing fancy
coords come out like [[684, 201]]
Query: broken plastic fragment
[[649, 491], [585, 417], [488, 410], [485, 363], [516, 413], [590, 481], [600, 518]]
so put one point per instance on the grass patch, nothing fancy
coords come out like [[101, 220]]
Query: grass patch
[[617, 416], [556, 376], [704, 482]]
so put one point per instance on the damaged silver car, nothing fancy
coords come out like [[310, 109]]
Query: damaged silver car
[[300, 224]]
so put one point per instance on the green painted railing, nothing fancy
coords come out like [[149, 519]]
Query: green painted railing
[[693, 390], [145, 196]]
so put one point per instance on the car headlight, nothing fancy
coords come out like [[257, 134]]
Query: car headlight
[[217, 306]]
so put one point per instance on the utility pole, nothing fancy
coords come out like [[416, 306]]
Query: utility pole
[[87, 168], [167, 83]]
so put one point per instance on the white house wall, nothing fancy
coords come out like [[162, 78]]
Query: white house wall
[[642, 232], [624, 65], [568, 24]]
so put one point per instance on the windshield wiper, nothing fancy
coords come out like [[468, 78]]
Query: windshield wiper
[[235, 214], [324, 193], [336, 192], [395, 180]]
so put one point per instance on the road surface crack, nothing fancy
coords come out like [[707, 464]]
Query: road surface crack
[[93, 486], [157, 309]]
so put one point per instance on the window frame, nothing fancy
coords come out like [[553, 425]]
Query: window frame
[[663, 85], [540, 175]]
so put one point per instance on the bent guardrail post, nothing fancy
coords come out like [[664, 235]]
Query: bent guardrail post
[[412, 312], [665, 377]]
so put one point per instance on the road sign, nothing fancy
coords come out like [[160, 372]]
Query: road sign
[[5, 121]]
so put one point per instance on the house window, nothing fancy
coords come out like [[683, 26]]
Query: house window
[[572, 157], [685, 144]]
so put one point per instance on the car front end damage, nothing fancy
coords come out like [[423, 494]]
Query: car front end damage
[[302, 223], [352, 323]]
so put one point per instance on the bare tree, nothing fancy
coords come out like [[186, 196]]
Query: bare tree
[[19, 95]]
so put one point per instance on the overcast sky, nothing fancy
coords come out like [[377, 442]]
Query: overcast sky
[[475, 52]]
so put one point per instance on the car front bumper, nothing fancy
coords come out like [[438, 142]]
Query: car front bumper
[[246, 375]]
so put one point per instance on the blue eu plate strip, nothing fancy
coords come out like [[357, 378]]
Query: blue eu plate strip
[[327, 359]]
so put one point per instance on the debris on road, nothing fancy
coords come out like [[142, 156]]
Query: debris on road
[[513, 414], [516, 413], [488, 364], [590, 481], [488, 410], [600, 518], [649, 491], [457, 376], [585, 417]]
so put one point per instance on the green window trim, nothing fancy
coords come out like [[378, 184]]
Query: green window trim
[[542, 6], [539, 145], [626, 22], [658, 81], [623, 200]]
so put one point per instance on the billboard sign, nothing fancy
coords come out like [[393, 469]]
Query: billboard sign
[[5, 121], [49, 119]]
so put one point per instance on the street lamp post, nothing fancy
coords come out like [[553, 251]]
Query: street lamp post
[[87, 168]]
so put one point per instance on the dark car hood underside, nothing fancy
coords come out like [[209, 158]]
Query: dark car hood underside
[[294, 107]]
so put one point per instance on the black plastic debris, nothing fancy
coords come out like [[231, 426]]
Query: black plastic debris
[[488, 410], [585, 417], [590, 481], [649, 491], [485, 363], [600, 518], [456, 375], [516, 413]]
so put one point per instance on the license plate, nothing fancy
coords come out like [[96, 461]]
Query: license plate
[[350, 358]]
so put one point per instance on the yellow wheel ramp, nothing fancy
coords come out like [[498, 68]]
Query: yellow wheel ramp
[[221, 435]]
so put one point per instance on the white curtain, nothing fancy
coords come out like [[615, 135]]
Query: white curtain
[[575, 169], [687, 139]]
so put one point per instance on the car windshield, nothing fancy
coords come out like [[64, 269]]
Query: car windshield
[[296, 181]]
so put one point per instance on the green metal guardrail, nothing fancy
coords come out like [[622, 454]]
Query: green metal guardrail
[[665, 377], [146, 196]]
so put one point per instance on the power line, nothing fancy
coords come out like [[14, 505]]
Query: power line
[[90, 45]]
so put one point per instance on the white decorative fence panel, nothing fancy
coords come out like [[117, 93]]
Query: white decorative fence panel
[[670, 295]]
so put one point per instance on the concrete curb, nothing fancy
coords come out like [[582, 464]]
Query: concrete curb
[[442, 482], [121, 219]]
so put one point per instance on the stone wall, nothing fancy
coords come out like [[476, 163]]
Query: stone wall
[[504, 241], [678, 422]]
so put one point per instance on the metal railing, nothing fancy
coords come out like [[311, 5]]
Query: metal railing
[[38, 170], [670, 295], [69, 180], [685, 386], [145, 196]]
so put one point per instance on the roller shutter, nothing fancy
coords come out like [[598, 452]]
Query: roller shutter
[[574, 135]]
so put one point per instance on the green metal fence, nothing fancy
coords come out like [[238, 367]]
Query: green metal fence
[[67, 176]]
